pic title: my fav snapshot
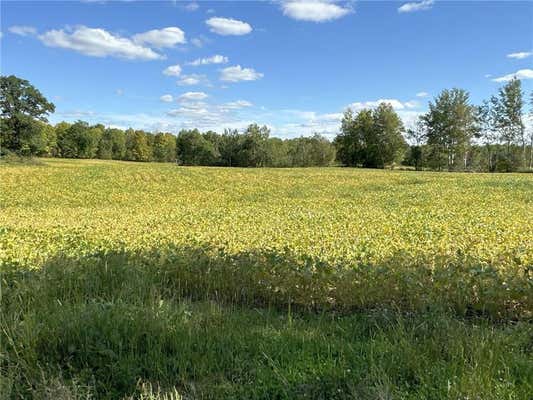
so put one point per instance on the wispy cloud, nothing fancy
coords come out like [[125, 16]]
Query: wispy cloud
[[216, 59], [173, 70], [395, 103], [416, 6], [520, 55], [193, 96], [520, 74], [192, 80], [166, 98], [192, 6], [22, 30]]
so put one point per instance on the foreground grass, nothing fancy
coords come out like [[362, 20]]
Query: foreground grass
[[110, 330]]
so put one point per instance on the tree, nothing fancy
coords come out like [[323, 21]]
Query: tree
[[279, 152], [388, 144], [193, 149], [487, 130], [48, 133], [229, 147], [164, 147], [254, 147], [531, 130], [371, 138], [508, 120], [451, 123], [351, 143], [417, 136], [78, 140], [137, 146], [21, 105]]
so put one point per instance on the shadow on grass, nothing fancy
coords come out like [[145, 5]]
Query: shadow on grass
[[261, 325], [283, 280]]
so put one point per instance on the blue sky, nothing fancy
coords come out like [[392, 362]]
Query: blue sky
[[293, 65]]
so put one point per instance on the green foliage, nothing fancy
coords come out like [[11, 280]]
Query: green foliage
[[138, 145], [194, 149], [164, 147], [22, 105], [451, 123], [371, 138]]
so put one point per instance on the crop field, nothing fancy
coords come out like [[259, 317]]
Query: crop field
[[157, 281]]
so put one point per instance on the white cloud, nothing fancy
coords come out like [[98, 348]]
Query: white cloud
[[173, 70], [235, 105], [396, 104], [193, 96], [310, 122], [216, 59], [416, 6], [197, 42], [228, 26], [98, 43], [520, 55], [22, 30], [237, 73], [166, 98], [159, 38], [314, 10], [119, 92], [422, 94], [192, 6], [520, 74], [488, 75], [192, 79], [411, 104]]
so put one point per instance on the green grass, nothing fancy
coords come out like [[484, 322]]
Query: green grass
[[152, 281], [110, 329]]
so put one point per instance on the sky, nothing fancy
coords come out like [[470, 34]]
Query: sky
[[294, 66]]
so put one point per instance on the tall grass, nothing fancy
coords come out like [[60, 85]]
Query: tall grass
[[107, 329]]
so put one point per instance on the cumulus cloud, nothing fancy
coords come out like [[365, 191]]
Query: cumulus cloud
[[192, 79], [314, 10], [193, 96], [395, 103], [97, 42], [237, 73], [166, 98], [416, 6], [422, 94], [310, 122], [22, 30], [520, 55], [173, 70], [520, 74], [228, 26], [216, 59], [159, 38]]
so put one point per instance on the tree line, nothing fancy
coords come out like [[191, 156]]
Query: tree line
[[453, 135]]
